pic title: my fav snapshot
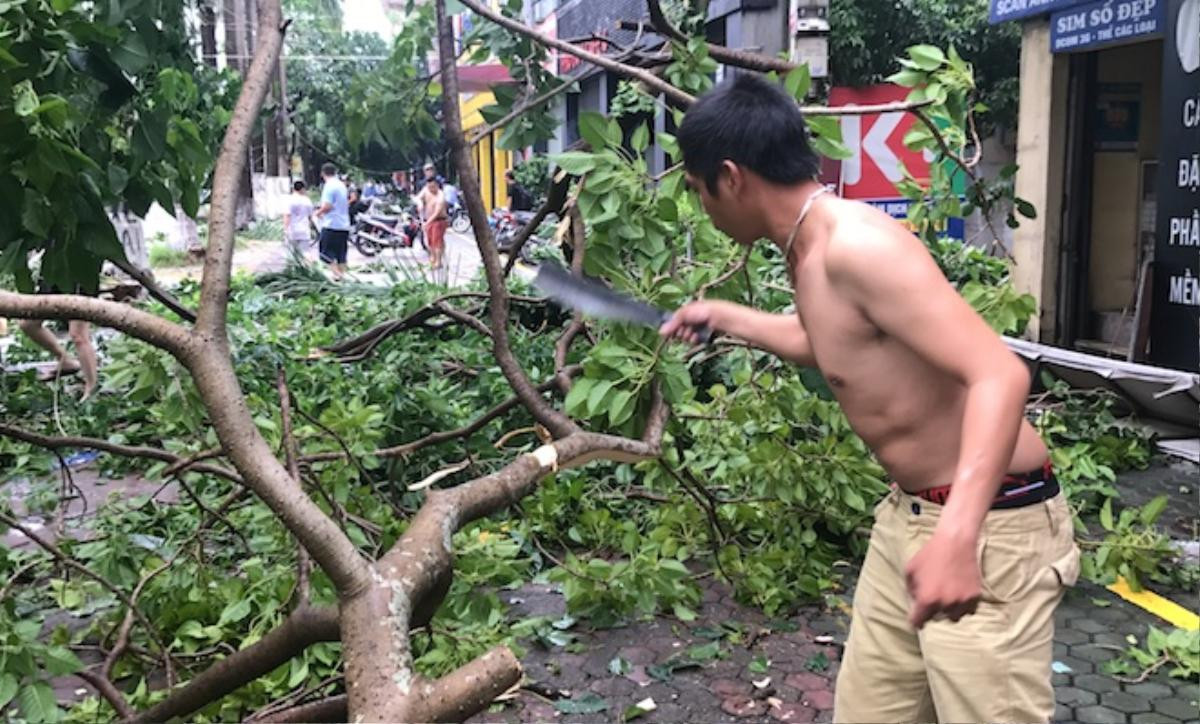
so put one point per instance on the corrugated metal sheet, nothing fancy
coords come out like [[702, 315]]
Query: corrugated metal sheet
[[1165, 398]]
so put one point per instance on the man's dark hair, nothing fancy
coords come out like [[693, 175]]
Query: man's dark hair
[[298, 186], [753, 123], [433, 180], [329, 170]]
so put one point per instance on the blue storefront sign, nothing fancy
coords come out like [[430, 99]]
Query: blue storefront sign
[[898, 209], [1108, 22], [1004, 10]]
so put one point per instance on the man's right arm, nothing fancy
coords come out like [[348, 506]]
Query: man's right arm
[[782, 335]]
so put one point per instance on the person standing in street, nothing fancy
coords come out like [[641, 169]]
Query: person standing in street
[[335, 213], [971, 552], [296, 222], [436, 216]]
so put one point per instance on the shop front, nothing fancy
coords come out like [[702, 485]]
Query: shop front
[[1109, 151]]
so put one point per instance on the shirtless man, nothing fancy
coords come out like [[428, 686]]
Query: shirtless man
[[435, 215], [953, 610]]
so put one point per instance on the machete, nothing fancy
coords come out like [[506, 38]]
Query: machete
[[595, 299]]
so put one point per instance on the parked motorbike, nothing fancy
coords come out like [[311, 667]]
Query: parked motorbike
[[379, 228], [507, 226], [459, 220]]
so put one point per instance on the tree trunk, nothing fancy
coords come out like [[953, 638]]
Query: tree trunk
[[208, 34]]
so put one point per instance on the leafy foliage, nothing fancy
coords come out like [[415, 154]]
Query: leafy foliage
[[1178, 648], [1132, 549], [100, 104], [866, 32]]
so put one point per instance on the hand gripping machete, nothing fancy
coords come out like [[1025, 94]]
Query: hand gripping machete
[[595, 299]]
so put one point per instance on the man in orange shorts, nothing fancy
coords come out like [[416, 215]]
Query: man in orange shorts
[[436, 216]]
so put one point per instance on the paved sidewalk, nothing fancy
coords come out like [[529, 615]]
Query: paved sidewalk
[[724, 652]]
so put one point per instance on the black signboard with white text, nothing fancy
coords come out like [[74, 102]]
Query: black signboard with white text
[[1175, 309]]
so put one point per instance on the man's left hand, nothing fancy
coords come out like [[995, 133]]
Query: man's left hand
[[943, 579]]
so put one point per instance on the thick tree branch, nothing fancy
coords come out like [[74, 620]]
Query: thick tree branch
[[302, 628], [382, 685], [162, 295], [563, 344], [676, 95], [553, 420], [230, 165], [332, 709], [130, 320]]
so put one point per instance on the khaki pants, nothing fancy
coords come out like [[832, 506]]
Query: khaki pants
[[991, 666]]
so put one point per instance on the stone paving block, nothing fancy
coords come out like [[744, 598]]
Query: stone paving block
[[1150, 690], [792, 712], [1178, 707], [1078, 666], [1072, 696], [1109, 638], [1097, 683], [819, 699], [743, 706], [806, 681], [1126, 702], [1063, 713], [730, 687], [1069, 636], [1089, 626], [1099, 715], [1152, 718], [1093, 653]]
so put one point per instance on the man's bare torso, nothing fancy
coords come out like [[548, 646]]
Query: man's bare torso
[[908, 411]]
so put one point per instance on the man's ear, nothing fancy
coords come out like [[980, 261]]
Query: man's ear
[[731, 177]]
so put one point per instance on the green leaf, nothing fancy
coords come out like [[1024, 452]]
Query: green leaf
[[60, 661], [683, 613], [927, 57], [619, 666], [798, 82], [592, 128], [132, 54], [621, 407], [596, 396], [8, 59], [37, 704], [1106, 515], [705, 652], [641, 138], [575, 162], [25, 99], [8, 689], [62, 6], [612, 133], [235, 612], [577, 398], [587, 704], [907, 78], [1153, 509], [759, 665], [299, 672]]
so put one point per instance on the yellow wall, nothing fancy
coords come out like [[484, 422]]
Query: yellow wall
[[490, 162], [1112, 266]]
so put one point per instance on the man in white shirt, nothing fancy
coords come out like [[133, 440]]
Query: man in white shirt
[[296, 231]]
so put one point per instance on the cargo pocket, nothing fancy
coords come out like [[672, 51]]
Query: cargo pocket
[[1066, 567]]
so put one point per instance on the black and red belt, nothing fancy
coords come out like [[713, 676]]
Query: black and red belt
[[1016, 491]]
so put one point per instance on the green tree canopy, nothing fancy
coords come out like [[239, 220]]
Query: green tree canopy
[[100, 104], [868, 35]]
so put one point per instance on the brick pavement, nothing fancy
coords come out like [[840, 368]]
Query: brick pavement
[[801, 655]]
